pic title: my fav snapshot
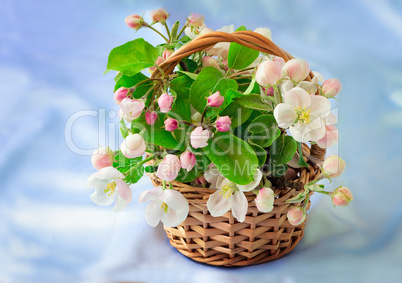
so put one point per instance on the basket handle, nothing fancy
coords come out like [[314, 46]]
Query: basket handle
[[246, 38]]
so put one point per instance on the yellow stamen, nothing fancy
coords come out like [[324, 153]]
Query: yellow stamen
[[110, 188], [303, 114], [165, 207], [228, 189]]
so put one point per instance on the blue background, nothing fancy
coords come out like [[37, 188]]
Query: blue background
[[52, 55]]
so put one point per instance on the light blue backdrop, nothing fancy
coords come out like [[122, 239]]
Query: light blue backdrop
[[52, 55]]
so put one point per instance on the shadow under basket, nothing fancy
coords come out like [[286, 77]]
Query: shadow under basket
[[223, 241]]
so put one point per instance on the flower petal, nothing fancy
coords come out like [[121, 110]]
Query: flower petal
[[151, 194], [212, 175], [154, 212], [120, 204], [217, 204], [286, 85], [101, 198], [265, 200], [297, 132], [124, 190], [315, 130], [108, 173], [285, 115], [319, 106], [297, 97], [252, 185], [239, 205], [94, 182], [173, 199]]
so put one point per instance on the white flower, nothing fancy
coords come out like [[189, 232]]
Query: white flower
[[230, 196], [168, 206], [221, 49], [303, 114], [109, 185], [213, 176], [193, 32], [265, 32]]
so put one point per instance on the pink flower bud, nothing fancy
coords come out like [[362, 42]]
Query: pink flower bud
[[296, 69], [333, 166], [102, 157], [200, 180], [133, 146], [134, 21], [165, 102], [199, 137], [187, 160], [268, 73], [209, 61], [341, 196], [223, 124], [225, 65], [296, 215], [265, 200], [159, 15], [170, 124], [151, 117], [330, 138], [269, 91], [158, 61], [279, 61], [196, 20], [166, 53], [169, 168], [132, 108], [331, 87], [120, 94], [216, 99]]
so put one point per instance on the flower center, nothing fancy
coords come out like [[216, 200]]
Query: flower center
[[303, 114], [110, 188], [228, 189], [165, 207]]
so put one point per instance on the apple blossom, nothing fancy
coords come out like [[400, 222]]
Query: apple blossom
[[166, 53], [296, 70], [134, 21], [159, 15], [151, 117], [342, 196], [166, 206], [213, 176], [221, 49], [133, 146], [231, 196], [333, 166], [265, 200], [279, 61], [120, 94], [215, 100], [102, 157], [223, 124], [331, 87], [158, 61], [187, 160], [296, 215], [196, 20], [132, 108], [109, 186], [170, 124], [165, 102], [265, 32], [225, 64], [303, 114], [199, 137], [192, 32], [330, 138], [209, 61], [200, 180], [319, 77], [169, 168], [268, 73]]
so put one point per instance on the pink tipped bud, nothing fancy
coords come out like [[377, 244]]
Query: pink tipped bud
[[102, 157], [133, 146], [187, 160], [330, 138], [269, 91], [159, 15], [132, 108], [134, 21], [209, 61], [331, 87], [165, 102], [296, 70], [166, 53], [223, 124], [279, 61], [196, 20], [200, 180], [296, 215], [268, 73], [341, 196], [151, 117], [225, 65], [199, 137], [216, 99], [265, 200], [169, 168], [170, 124], [333, 166], [120, 94]]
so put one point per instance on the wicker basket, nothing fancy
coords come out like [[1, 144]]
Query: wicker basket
[[261, 237]]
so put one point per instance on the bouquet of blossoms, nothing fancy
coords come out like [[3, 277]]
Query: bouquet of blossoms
[[215, 121]]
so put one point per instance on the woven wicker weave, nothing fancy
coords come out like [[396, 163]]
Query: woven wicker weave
[[222, 240]]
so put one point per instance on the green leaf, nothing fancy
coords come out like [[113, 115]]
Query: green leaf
[[181, 107], [132, 57], [282, 150], [189, 74], [191, 65], [150, 169], [231, 94], [124, 165], [259, 152], [140, 90], [264, 130], [209, 81], [156, 133], [234, 158], [123, 129], [253, 101], [201, 164], [301, 161], [239, 56], [299, 198], [237, 113]]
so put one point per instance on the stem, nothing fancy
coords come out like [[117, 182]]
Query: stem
[[187, 123], [244, 71], [203, 113], [139, 164], [181, 31], [144, 81], [161, 71], [168, 31], [158, 32], [324, 192], [277, 95], [307, 199]]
